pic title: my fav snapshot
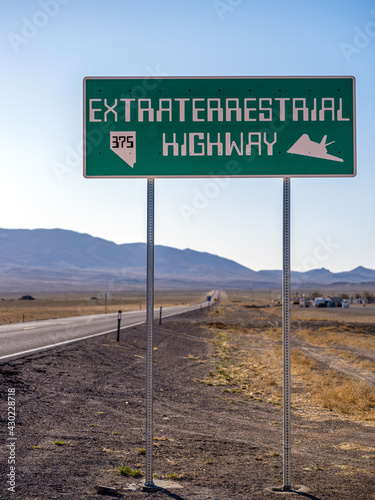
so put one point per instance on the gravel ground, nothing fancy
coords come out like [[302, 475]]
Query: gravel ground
[[211, 445]]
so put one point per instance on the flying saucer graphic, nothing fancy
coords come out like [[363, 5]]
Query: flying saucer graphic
[[306, 147]]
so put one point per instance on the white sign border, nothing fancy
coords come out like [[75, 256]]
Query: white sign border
[[301, 176]]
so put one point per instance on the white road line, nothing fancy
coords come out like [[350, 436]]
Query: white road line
[[65, 342], [30, 351]]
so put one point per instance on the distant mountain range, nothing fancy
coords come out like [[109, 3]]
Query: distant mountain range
[[58, 260]]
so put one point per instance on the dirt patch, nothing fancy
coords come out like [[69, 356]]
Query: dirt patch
[[80, 414]]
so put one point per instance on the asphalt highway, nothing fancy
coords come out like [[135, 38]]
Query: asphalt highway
[[21, 339]]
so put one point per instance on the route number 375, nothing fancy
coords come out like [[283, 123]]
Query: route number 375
[[122, 141]]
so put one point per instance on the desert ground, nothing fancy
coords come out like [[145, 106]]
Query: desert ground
[[80, 410]]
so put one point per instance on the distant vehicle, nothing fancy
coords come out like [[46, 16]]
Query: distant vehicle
[[305, 302], [345, 303], [325, 303], [337, 301]]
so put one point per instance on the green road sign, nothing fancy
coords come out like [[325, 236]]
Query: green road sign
[[232, 127]]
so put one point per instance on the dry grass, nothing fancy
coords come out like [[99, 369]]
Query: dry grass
[[350, 470], [332, 391], [253, 374], [249, 362], [331, 335], [348, 397], [355, 446], [355, 361], [47, 306], [253, 297], [355, 313]]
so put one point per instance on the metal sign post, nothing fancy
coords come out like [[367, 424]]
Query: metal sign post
[[149, 327], [119, 315], [286, 339]]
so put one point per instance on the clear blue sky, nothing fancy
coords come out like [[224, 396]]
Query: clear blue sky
[[49, 46]]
